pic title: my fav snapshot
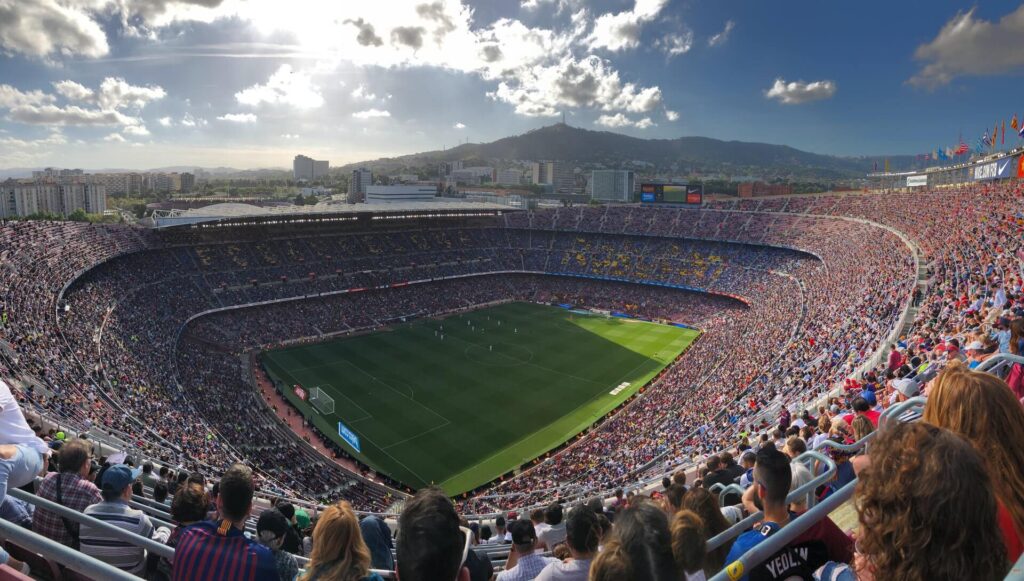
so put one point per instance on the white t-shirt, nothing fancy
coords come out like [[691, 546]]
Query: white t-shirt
[[572, 570], [552, 535], [13, 427]]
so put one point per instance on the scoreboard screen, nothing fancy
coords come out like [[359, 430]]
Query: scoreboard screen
[[671, 194]]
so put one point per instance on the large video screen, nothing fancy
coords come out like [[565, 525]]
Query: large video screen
[[671, 194]]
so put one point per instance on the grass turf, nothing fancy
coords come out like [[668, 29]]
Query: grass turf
[[463, 410]]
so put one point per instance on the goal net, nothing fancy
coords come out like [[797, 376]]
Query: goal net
[[321, 401]]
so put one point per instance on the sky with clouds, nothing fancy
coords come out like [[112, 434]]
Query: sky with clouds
[[250, 83]]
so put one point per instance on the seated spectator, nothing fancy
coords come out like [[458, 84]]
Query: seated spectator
[[524, 560], [148, 477], [673, 499], [208, 549], [501, 536], [69, 487], [271, 529], [906, 500], [861, 408], [188, 507], [689, 544], [980, 407], [794, 447], [479, 564], [583, 534], [537, 518], [862, 426], [114, 509], [160, 492], [640, 549], [821, 543], [17, 511], [431, 545], [339, 552], [377, 537], [705, 505], [554, 533], [293, 539]]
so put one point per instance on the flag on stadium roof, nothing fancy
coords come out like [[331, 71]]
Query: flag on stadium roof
[[1013, 122]]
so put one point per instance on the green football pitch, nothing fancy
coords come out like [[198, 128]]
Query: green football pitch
[[459, 401]]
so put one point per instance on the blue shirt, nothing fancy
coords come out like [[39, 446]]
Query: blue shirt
[[204, 554]]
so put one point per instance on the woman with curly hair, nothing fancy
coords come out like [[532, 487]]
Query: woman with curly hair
[[979, 407], [926, 511], [339, 552]]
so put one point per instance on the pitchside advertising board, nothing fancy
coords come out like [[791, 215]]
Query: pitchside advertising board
[[671, 194], [917, 181], [996, 170], [349, 436]]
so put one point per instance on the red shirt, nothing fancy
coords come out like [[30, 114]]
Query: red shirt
[[1014, 543], [871, 415]]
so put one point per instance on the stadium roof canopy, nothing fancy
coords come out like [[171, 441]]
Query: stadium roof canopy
[[234, 214]]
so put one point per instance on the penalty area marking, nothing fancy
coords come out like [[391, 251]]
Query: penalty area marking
[[336, 393]]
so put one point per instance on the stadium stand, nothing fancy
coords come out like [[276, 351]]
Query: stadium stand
[[826, 318]]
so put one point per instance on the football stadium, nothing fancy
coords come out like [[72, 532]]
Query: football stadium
[[570, 354]]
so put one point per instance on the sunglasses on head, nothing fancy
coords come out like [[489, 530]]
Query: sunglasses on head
[[465, 549]]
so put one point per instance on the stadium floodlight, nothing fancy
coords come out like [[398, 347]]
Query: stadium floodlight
[[321, 401]]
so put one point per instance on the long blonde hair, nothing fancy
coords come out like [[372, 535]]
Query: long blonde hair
[[981, 408], [339, 552]]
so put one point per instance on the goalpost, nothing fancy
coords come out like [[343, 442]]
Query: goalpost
[[321, 401]]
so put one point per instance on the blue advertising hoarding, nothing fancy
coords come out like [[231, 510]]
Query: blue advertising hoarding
[[349, 436]]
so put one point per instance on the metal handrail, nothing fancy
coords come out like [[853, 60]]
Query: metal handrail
[[894, 412], [762, 551], [854, 447], [794, 495], [113, 530], [732, 488], [52, 550]]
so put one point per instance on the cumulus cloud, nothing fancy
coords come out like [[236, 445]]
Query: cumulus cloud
[[620, 120], [165, 121], [116, 93], [367, 36], [675, 44], [971, 46], [459, 125], [289, 136], [671, 115], [238, 117], [621, 30], [284, 87], [190, 121], [411, 36], [362, 93], [13, 97], [136, 130], [41, 28], [115, 138], [371, 114], [720, 38], [544, 90], [798, 92], [73, 91]]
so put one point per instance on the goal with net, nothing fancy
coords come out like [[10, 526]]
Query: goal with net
[[321, 401]]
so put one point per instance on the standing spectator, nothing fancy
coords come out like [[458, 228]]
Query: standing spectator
[[207, 549], [69, 487], [906, 501], [271, 529], [23, 455], [640, 549], [583, 534], [431, 544], [524, 562], [114, 509], [554, 533], [377, 536], [979, 407]]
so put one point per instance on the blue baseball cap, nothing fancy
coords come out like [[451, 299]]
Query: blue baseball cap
[[119, 476]]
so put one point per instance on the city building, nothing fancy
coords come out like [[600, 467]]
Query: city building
[[511, 177], [19, 199], [557, 174], [445, 169], [612, 185], [360, 182], [388, 194], [188, 182], [307, 168]]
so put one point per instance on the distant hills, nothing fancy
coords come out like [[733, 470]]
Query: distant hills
[[604, 148]]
